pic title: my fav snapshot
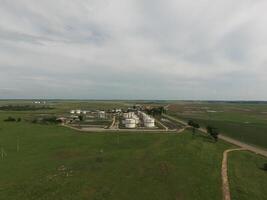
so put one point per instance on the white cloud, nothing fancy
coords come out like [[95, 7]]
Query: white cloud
[[109, 48]]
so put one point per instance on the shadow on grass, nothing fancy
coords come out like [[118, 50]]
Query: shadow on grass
[[205, 138], [264, 167]]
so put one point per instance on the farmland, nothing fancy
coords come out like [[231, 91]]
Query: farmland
[[243, 121], [54, 162]]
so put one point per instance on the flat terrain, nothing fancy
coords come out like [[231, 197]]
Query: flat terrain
[[243, 121], [53, 162], [247, 179], [57, 163]]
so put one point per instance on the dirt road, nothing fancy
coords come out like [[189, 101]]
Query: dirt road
[[248, 147], [225, 182]]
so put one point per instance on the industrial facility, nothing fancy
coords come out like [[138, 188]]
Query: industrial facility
[[139, 119], [132, 118]]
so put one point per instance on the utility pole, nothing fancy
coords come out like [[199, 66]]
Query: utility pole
[[18, 144], [118, 139], [3, 153]]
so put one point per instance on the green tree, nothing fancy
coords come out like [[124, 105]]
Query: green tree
[[194, 125], [213, 132], [81, 118], [10, 119]]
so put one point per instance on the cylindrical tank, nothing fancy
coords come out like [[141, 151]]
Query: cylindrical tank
[[136, 119], [130, 123], [125, 115], [149, 122]]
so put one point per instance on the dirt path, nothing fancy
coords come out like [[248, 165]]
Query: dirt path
[[113, 124], [225, 182], [244, 145], [249, 147], [182, 130]]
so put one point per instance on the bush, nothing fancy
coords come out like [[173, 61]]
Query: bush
[[10, 119], [193, 124], [213, 132], [81, 117]]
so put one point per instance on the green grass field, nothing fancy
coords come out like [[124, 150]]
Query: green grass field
[[247, 179], [106, 166], [54, 162], [245, 122]]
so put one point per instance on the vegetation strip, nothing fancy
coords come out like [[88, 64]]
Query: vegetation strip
[[225, 181]]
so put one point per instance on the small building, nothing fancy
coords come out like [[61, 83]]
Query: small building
[[101, 114], [62, 120]]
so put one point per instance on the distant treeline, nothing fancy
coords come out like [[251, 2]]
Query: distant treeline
[[12, 119], [24, 108], [237, 102], [156, 111]]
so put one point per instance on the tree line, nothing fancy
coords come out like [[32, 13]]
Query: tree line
[[156, 111], [212, 131], [23, 108]]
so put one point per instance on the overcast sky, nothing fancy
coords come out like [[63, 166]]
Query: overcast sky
[[133, 49]]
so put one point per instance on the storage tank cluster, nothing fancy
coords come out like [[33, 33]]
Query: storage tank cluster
[[149, 122], [78, 112], [130, 120], [75, 112]]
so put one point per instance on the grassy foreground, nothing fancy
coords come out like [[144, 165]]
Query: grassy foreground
[[247, 179], [58, 163]]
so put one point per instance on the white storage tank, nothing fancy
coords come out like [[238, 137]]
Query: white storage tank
[[137, 121], [72, 112], [130, 123], [125, 115], [149, 122], [78, 111]]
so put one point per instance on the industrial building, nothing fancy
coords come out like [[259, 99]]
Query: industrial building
[[101, 114]]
